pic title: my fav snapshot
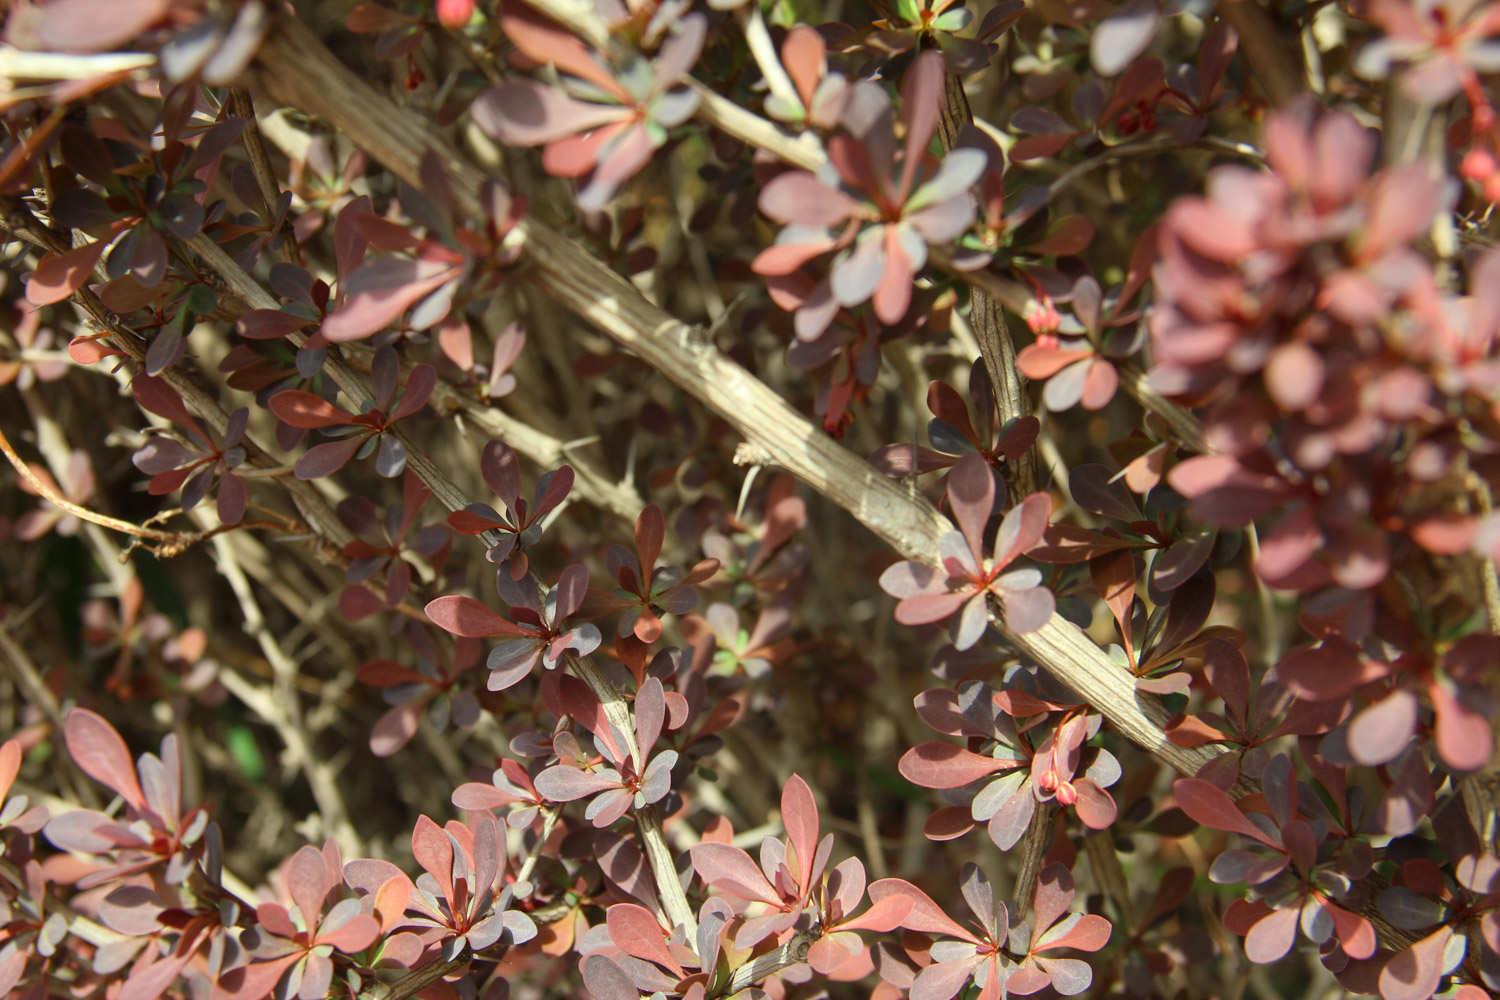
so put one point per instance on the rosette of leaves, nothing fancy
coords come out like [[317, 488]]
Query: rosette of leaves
[[520, 526], [1254, 715], [940, 22], [599, 121], [1078, 362], [1443, 46], [156, 834], [369, 432], [754, 650], [625, 781], [1014, 758], [1296, 870], [384, 544], [968, 577], [762, 558], [632, 953], [172, 465], [536, 632], [771, 895], [419, 277], [430, 688], [1181, 548], [999, 958], [645, 592], [953, 433], [294, 955], [455, 899], [1456, 912], [133, 205], [78, 487], [876, 209], [509, 785]]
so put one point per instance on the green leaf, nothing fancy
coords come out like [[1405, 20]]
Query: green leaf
[[245, 752]]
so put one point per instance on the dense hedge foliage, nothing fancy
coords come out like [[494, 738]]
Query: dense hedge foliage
[[718, 499]]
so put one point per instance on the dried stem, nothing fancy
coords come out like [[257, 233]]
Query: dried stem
[[282, 710], [1271, 65], [986, 315], [171, 542], [658, 855], [1033, 849]]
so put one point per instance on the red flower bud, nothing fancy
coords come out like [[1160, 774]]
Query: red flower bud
[[454, 14], [1478, 165]]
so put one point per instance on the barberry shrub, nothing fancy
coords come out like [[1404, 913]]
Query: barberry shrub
[[710, 500]]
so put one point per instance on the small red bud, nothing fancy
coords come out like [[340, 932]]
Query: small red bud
[[1066, 793], [1042, 316], [1478, 165], [454, 14], [1048, 782]]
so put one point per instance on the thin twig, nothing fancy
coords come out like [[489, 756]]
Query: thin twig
[[986, 316], [658, 854], [170, 542]]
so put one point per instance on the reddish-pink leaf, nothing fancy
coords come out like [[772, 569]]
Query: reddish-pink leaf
[[544, 42], [307, 881], [1113, 576], [730, 870], [564, 783], [59, 275], [156, 396], [924, 609], [88, 26], [1355, 933], [607, 981], [1445, 534], [635, 931], [10, 766], [394, 729], [925, 916], [464, 616], [1379, 732], [326, 459], [101, 754], [1272, 936], [1090, 933], [433, 850], [1095, 806], [1462, 735], [971, 495], [306, 410], [883, 915], [1210, 805], [1414, 974], [379, 291], [1040, 360], [799, 814], [946, 765], [1329, 670], [803, 54], [268, 324]]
